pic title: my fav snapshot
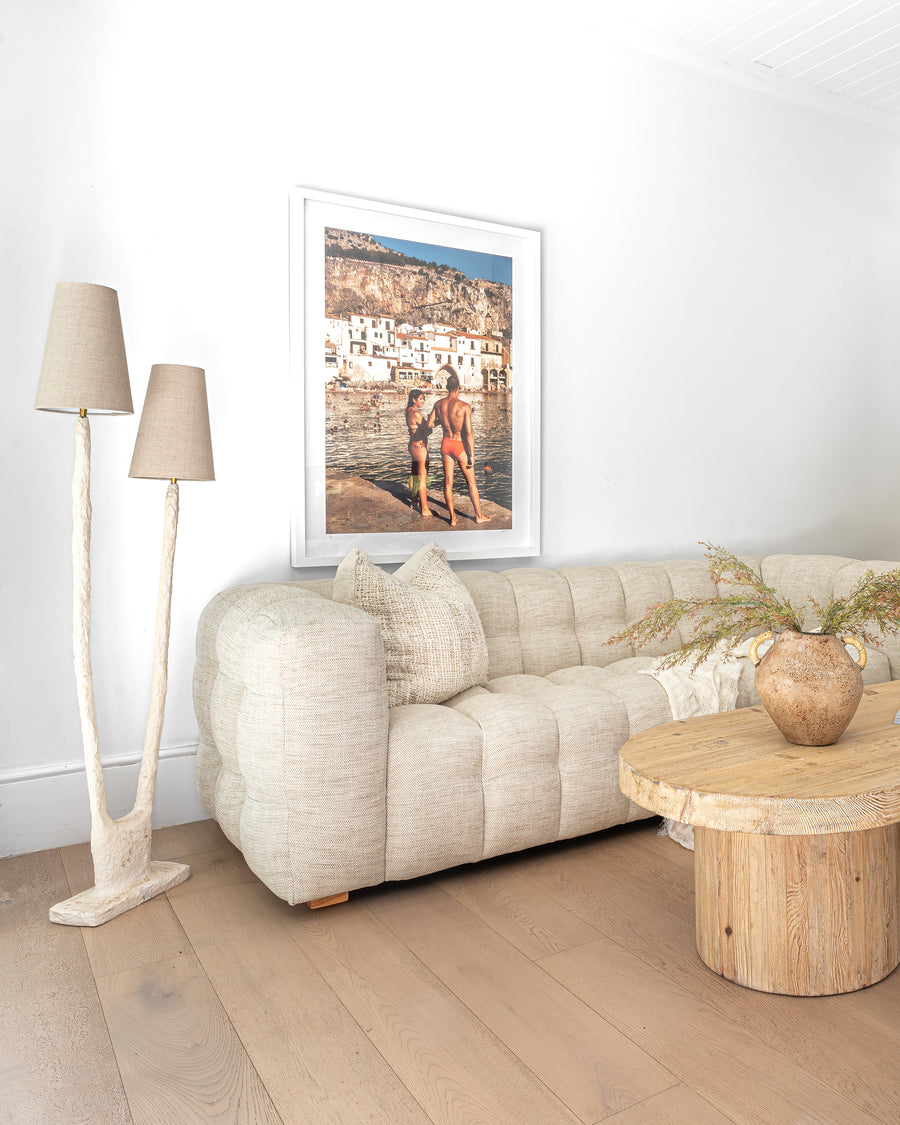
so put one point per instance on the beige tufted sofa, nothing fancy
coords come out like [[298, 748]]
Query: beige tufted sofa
[[325, 789]]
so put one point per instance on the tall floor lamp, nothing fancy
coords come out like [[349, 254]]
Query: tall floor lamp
[[84, 370]]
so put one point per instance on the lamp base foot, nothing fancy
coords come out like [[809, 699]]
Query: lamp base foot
[[93, 907]]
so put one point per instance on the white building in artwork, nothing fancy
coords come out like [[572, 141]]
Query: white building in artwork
[[337, 347], [441, 340], [440, 335], [416, 362], [479, 361], [337, 332], [370, 369], [372, 335], [373, 349], [468, 359]]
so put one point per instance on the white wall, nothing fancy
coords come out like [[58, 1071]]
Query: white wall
[[729, 257]]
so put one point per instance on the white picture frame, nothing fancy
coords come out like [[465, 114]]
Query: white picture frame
[[332, 428]]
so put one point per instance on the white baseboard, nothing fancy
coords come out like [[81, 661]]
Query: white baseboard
[[47, 807]]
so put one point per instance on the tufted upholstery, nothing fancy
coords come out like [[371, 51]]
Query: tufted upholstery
[[325, 789]]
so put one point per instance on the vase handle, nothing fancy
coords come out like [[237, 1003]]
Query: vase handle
[[754, 645], [862, 658]]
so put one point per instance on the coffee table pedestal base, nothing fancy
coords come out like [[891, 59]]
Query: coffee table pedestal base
[[799, 915]]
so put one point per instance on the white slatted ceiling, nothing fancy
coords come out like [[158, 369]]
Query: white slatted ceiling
[[848, 48]]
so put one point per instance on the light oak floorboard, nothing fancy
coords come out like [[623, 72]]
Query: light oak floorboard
[[184, 841], [531, 921], [223, 867], [139, 937], [314, 1059], [847, 1041], [708, 1050], [456, 1069], [415, 1002], [177, 1050], [593, 1067], [678, 1106], [179, 1057], [647, 867], [56, 1058]]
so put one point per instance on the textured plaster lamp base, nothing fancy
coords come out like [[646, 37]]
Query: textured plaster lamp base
[[94, 906]]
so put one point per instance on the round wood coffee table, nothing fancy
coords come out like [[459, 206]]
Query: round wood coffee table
[[797, 848]]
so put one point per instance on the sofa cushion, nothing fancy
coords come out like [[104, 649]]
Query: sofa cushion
[[433, 639]]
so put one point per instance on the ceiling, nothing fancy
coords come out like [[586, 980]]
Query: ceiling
[[843, 50]]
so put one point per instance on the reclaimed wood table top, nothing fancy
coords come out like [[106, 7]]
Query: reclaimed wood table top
[[736, 772]]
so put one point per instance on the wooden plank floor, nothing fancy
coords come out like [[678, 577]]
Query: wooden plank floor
[[558, 985]]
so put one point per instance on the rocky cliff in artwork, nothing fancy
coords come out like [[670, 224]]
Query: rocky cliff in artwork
[[362, 277]]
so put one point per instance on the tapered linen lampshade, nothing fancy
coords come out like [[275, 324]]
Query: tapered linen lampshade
[[173, 441], [84, 364]]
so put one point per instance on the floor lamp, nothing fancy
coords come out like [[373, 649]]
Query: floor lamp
[[84, 370]]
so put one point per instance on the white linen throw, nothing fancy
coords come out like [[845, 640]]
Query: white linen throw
[[706, 690]]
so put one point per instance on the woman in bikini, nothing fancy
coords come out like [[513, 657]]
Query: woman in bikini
[[418, 448]]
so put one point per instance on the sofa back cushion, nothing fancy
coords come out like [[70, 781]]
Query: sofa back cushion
[[538, 621]]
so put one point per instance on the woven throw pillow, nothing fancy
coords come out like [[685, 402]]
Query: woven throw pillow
[[433, 640]]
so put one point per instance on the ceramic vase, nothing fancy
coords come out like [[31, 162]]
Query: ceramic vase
[[809, 684]]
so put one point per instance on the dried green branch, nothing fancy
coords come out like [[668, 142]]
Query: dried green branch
[[722, 621], [875, 598]]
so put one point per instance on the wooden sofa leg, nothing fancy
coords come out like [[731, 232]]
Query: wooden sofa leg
[[329, 900]]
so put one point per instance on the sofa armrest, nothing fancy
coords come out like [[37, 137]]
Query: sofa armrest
[[290, 691]]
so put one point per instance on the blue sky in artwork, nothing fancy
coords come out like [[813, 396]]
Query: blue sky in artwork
[[490, 267]]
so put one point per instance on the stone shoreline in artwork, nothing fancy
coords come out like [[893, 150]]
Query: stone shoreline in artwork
[[361, 505]]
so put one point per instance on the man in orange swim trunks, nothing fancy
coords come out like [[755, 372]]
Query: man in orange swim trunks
[[457, 446]]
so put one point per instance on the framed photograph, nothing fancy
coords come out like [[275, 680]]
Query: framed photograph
[[415, 365]]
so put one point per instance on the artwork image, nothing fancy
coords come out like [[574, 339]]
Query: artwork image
[[414, 348], [418, 385]]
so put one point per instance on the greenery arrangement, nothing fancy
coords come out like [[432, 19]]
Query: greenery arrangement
[[871, 609]]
